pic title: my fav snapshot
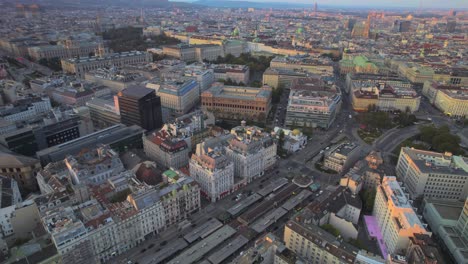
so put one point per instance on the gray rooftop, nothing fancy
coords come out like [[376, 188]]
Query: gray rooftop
[[263, 223], [197, 251], [204, 230], [239, 207], [223, 253]]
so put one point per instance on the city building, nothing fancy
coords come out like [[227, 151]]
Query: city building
[[69, 47], [282, 78], [312, 103], [366, 79], [316, 245], [178, 97], [203, 75], [80, 66], [20, 168], [336, 158], [167, 150], [20, 140], [120, 138], [94, 166], [192, 127], [251, 150], [140, 106], [451, 100], [99, 229], [103, 111], [431, 174], [415, 73], [341, 209], [213, 171], [447, 219], [24, 109], [78, 93], [235, 73], [303, 63], [235, 102], [423, 249], [294, 140], [395, 217], [384, 97], [11, 196], [115, 78], [58, 127]]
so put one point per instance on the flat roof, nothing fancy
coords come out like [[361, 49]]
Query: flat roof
[[204, 230], [170, 249], [446, 211], [226, 251], [297, 199], [197, 251], [263, 223], [236, 209], [270, 187]]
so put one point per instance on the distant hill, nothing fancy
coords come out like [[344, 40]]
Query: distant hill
[[102, 3], [247, 4]]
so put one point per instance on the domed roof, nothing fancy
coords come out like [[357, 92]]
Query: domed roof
[[299, 30], [296, 132]]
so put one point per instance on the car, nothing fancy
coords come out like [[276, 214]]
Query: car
[[164, 242], [327, 148], [143, 250]]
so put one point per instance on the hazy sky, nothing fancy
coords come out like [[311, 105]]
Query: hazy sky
[[388, 3]]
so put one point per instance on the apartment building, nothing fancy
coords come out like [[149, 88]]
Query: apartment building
[[167, 150], [433, 175], [97, 230], [395, 217], [251, 150], [312, 103], [449, 99], [385, 97], [236, 102], [94, 166], [316, 245], [337, 157], [213, 171]]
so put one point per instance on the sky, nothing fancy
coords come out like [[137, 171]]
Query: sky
[[384, 3]]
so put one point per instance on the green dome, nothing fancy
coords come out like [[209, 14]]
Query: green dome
[[300, 30]]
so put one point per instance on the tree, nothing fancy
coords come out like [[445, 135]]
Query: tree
[[368, 199], [330, 229]]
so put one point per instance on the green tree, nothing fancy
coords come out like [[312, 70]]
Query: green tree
[[368, 199], [330, 229]]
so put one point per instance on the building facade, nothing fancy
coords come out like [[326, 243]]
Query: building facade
[[312, 104], [235, 102], [451, 100], [213, 171], [166, 150], [434, 175], [140, 106], [80, 66], [395, 217]]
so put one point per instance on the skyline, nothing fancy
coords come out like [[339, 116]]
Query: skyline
[[449, 4]]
